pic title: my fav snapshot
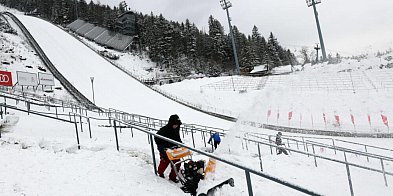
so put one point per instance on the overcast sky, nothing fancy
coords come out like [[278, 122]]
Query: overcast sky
[[348, 26]]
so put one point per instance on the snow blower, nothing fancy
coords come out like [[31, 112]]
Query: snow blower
[[192, 171]]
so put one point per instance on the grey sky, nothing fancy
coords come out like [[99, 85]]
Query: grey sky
[[348, 26]]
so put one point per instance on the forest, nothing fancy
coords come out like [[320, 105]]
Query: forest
[[179, 47]]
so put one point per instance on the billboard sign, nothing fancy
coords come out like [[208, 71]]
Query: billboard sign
[[5, 78], [46, 79], [27, 79]]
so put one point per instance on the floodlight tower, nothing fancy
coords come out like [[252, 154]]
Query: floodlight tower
[[225, 4], [313, 3]]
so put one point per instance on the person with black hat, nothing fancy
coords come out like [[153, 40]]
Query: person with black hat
[[170, 131]]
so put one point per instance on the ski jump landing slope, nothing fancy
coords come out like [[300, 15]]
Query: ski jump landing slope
[[112, 87]]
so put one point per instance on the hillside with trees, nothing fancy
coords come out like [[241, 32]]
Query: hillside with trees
[[178, 47]]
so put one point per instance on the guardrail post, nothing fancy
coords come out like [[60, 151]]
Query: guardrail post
[[117, 141], [260, 157], [80, 119], [270, 141], [77, 134], [88, 121], [297, 144], [249, 186], [349, 175], [384, 173], [5, 108], [57, 116], [365, 148], [132, 133], [153, 155], [193, 141], [28, 108], [335, 152], [204, 138], [306, 147], [245, 141], [315, 158]]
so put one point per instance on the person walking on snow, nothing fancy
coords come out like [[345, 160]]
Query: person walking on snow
[[280, 146], [216, 139], [170, 131]]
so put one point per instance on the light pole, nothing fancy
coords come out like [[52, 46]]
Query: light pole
[[225, 4], [92, 88], [313, 3]]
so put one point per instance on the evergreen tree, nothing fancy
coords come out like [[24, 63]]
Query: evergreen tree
[[217, 41], [273, 53], [183, 46], [82, 10]]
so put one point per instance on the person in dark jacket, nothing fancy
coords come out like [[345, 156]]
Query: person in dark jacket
[[280, 146], [216, 139], [170, 131]]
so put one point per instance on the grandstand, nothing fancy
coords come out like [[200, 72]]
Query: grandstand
[[338, 82], [240, 84], [380, 80], [101, 35]]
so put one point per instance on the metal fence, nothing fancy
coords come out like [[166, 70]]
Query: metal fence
[[142, 124]]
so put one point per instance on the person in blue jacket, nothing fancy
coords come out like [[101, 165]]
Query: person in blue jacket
[[216, 139]]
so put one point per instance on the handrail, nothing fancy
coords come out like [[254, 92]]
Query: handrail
[[247, 170], [326, 158], [334, 139], [147, 126], [335, 147], [151, 134], [372, 146], [366, 154]]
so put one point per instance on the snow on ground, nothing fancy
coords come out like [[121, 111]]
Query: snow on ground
[[112, 87], [40, 156], [358, 88], [18, 56]]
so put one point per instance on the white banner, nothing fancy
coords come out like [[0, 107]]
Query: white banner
[[27, 79], [46, 79]]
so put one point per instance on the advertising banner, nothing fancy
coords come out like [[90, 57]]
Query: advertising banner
[[5, 78], [27, 79], [385, 120], [46, 79], [290, 115]]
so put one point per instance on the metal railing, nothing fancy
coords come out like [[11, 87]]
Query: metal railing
[[148, 130], [307, 143]]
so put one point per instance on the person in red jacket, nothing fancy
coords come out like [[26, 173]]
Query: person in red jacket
[[170, 131]]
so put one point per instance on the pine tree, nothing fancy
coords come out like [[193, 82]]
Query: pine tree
[[273, 58], [82, 10], [217, 41]]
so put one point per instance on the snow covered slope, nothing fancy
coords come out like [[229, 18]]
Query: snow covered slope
[[112, 87]]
